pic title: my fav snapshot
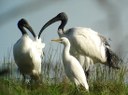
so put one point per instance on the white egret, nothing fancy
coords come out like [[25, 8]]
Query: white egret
[[85, 42], [27, 53], [73, 69]]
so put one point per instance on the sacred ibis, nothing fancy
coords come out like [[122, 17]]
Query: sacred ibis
[[27, 52], [85, 42]]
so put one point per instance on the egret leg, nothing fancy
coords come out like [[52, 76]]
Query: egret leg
[[76, 83]]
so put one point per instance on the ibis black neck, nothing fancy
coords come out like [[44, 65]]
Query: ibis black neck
[[24, 24], [23, 31]]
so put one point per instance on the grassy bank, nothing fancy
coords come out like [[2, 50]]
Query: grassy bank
[[97, 87], [102, 81]]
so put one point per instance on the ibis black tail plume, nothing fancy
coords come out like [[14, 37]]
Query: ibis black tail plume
[[112, 59]]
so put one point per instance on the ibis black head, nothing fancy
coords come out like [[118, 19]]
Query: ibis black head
[[23, 23], [60, 17]]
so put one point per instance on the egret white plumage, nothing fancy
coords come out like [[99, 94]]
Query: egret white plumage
[[27, 52], [85, 42], [73, 69]]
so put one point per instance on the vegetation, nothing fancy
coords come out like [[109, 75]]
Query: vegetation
[[102, 81]]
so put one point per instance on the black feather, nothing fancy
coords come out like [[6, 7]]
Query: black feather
[[112, 59], [4, 71]]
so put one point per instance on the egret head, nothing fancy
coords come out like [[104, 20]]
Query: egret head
[[23, 23], [62, 40], [60, 17]]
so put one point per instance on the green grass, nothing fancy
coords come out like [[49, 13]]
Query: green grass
[[97, 87], [103, 81]]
